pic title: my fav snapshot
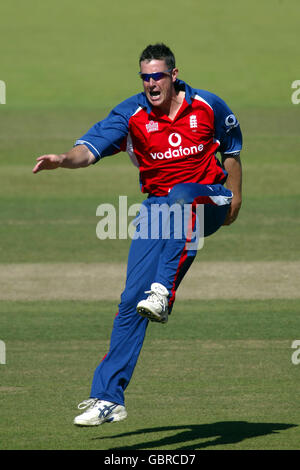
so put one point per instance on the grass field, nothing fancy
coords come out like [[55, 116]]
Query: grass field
[[205, 385], [219, 375]]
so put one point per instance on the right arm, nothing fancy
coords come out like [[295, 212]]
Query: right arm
[[106, 137], [78, 157]]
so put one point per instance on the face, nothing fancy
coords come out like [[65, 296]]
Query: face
[[159, 92]]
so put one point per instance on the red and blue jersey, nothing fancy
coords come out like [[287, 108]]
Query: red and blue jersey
[[168, 152]]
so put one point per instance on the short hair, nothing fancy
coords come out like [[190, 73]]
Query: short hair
[[158, 51]]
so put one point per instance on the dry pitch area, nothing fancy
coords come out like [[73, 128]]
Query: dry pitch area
[[103, 281]]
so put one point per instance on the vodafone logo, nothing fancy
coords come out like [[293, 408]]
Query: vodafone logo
[[175, 139]]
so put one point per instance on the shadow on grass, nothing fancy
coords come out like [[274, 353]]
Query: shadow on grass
[[219, 434]]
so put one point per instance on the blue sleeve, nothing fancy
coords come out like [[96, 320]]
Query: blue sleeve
[[107, 137], [227, 127]]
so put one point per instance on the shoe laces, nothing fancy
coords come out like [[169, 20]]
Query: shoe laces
[[155, 297], [87, 403]]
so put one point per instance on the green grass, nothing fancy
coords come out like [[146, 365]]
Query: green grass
[[218, 376], [71, 54]]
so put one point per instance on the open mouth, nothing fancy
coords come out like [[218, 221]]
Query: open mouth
[[154, 94]]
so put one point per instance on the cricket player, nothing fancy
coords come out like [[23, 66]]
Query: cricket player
[[172, 133]]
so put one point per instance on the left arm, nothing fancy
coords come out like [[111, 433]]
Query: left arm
[[233, 166]]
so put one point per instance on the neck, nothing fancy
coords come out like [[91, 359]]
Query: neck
[[174, 104]]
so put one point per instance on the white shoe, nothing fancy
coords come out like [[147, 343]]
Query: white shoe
[[98, 412], [155, 307]]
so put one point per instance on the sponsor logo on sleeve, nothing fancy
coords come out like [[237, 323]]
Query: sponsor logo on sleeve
[[231, 122]]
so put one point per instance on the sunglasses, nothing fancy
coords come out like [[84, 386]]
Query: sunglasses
[[155, 76]]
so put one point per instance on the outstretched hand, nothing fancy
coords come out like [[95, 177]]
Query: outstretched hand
[[47, 162]]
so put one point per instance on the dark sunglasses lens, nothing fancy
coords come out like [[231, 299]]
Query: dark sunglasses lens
[[158, 76], [155, 76]]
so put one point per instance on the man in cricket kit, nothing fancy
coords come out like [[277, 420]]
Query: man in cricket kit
[[172, 133]]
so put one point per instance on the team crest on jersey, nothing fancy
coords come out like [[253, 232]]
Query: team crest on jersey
[[152, 126], [193, 121]]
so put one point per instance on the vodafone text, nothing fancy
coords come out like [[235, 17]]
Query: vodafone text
[[179, 151]]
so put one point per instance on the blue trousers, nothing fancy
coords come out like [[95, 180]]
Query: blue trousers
[[156, 256]]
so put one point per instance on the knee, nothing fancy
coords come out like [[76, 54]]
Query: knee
[[130, 298], [180, 194]]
